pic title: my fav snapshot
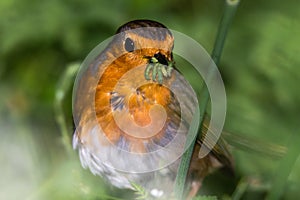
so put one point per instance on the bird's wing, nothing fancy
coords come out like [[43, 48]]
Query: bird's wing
[[220, 149]]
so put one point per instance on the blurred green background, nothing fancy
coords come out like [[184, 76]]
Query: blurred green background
[[260, 66]]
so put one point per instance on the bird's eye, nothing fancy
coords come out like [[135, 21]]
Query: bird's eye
[[129, 45]]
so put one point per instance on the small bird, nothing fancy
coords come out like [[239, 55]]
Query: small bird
[[127, 113]]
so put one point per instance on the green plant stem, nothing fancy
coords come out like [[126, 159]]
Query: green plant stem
[[284, 168], [229, 11], [240, 189], [64, 85]]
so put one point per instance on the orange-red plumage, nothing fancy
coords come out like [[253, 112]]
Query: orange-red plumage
[[139, 101]]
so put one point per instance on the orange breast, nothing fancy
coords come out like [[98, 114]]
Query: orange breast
[[137, 102]]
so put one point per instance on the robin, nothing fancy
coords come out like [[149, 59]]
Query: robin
[[128, 111]]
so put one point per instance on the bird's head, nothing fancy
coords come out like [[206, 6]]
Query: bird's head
[[144, 41]]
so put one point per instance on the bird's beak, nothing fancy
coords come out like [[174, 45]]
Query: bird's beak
[[161, 58], [160, 66]]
